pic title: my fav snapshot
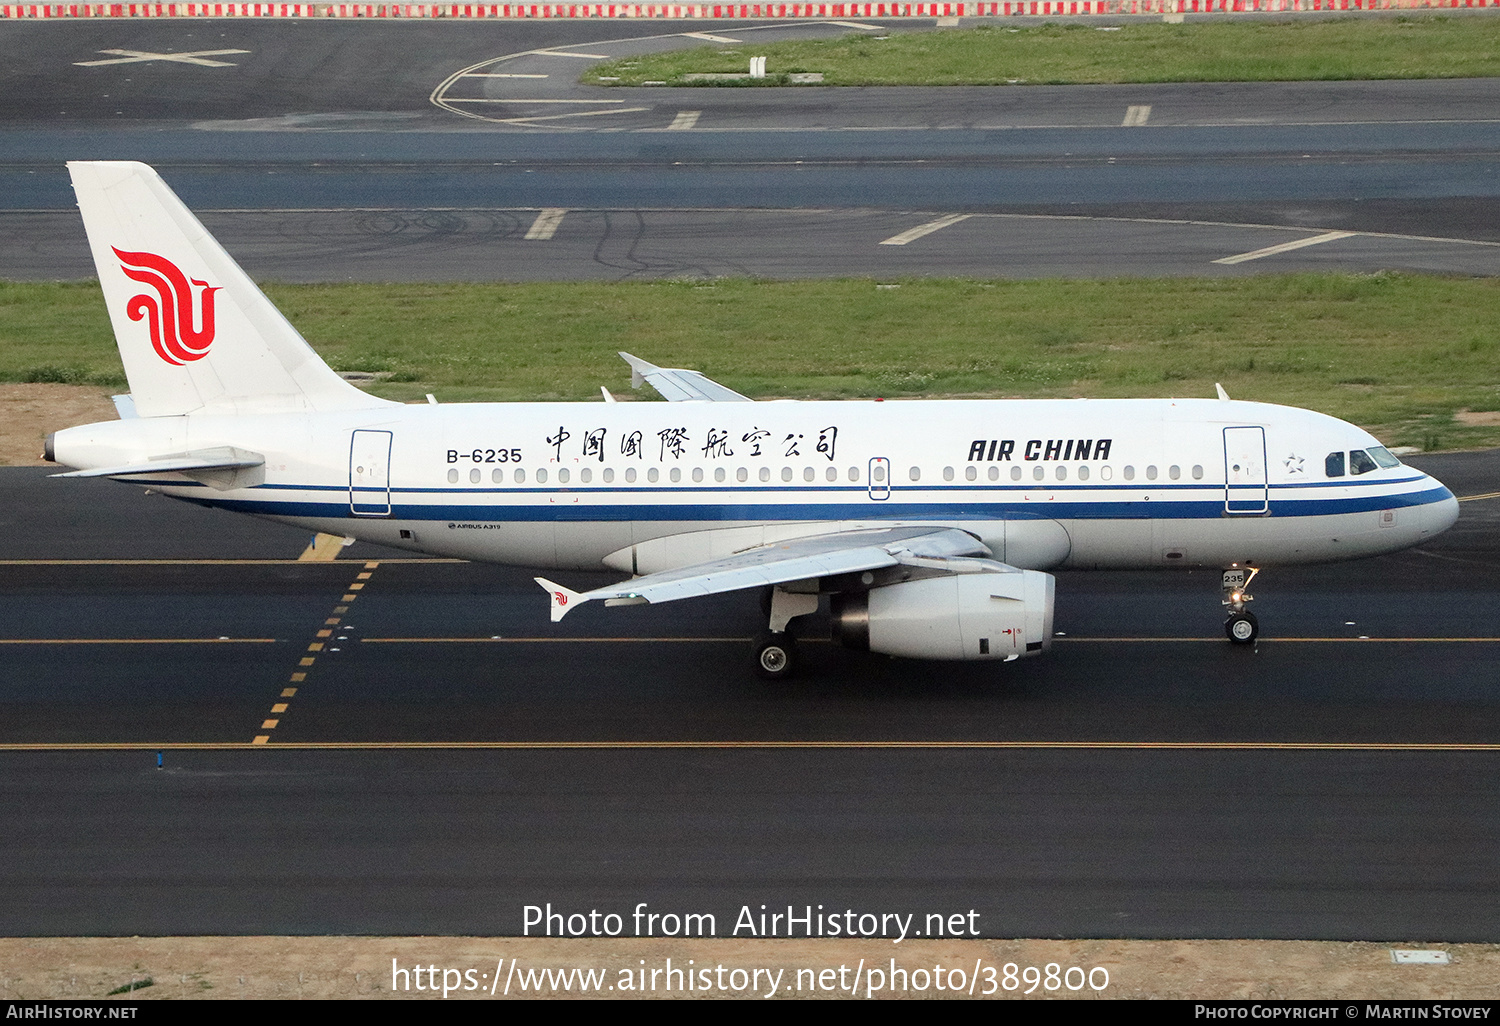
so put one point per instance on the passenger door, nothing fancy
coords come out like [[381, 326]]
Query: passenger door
[[370, 474], [1245, 487]]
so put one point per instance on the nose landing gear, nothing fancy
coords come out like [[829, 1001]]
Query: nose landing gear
[[1240, 626]]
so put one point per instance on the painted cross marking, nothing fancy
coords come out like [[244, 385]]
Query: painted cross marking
[[199, 57]]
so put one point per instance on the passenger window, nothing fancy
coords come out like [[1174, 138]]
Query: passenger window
[[916, 473], [1333, 464], [609, 475], [1174, 472], [832, 473], [653, 475], [1083, 472], [718, 473], [765, 473], [541, 477], [1015, 473], [1151, 473], [1062, 472], [947, 473], [879, 473], [697, 474], [585, 475], [1106, 472], [474, 476], [742, 475], [520, 476], [1038, 472], [1129, 473], [676, 474], [808, 473], [1383, 456], [971, 473], [994, 473], [629, 475], [562, 475], [1360, 462], [453, 477], [1197, 472], [854, 473], [497, 475], [786, 473]]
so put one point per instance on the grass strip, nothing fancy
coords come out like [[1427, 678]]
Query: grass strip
[[1214, 51], [1402, 354]]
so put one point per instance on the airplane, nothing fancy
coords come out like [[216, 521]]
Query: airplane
[[930, 524]]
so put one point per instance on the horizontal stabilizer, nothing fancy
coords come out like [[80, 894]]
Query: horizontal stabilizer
[[679, 386], [224, 458]]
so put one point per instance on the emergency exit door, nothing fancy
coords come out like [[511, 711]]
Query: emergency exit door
[[1245, 486], [370, 474]]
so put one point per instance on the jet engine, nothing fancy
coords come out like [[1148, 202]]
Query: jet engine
[[1000, 615]]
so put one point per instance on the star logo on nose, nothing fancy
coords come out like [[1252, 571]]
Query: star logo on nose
[[1293, 464]]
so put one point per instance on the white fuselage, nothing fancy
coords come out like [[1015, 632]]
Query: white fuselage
[[1124, 483]]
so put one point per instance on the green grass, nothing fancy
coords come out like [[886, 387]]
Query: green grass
[[1222, 51], [1397, 353]]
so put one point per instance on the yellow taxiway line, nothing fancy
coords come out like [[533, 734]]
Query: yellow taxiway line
[[356, 746]]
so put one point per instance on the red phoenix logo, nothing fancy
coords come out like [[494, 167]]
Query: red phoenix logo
[[170, 311]]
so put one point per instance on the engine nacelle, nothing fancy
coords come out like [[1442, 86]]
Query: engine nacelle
[[962, 616]]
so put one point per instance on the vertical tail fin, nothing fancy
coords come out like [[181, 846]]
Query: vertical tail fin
[[195, 333]]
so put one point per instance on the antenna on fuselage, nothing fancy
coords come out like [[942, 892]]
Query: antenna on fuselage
[[1220, 389]]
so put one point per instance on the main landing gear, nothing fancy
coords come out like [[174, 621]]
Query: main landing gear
[[1241, 626], [775, 649]]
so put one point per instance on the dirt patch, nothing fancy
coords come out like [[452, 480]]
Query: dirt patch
[[345, 967], [1479, 418], [29, 412]]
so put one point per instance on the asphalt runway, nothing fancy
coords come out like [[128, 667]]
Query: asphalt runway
[[450, 755], [1318, 787], [328, 151]]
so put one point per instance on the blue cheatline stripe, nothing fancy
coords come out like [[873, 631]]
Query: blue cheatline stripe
[[890, 509]]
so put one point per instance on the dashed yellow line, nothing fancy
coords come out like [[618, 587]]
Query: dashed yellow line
[[278, 709]]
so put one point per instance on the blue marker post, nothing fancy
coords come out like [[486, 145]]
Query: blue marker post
[[158, 760]]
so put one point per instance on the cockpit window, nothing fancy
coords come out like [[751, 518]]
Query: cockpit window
[[1360, 462], [1333, 464], [1383, 456]]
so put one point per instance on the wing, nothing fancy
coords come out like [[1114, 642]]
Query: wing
[[677, 386], [795, 560]]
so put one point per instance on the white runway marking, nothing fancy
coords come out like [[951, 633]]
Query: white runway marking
[[545, 225], [1136, 116], [578, 114], [198, 57], [684, 120], [856, 25], [912, 234], [1285, 247], [495, 74], [564, 53], [507, 99], [710, 37], [947, 23]]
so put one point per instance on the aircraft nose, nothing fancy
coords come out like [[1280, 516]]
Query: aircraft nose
[[1440, 515]]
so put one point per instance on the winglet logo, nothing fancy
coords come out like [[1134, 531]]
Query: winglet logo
[[562, 599], [170, 311]]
